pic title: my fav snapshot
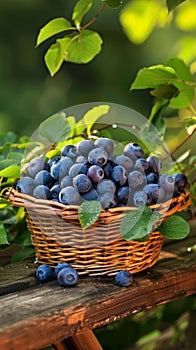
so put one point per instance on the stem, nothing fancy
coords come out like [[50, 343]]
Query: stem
[[94, 18]]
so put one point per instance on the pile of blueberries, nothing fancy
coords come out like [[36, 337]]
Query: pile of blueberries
[[90, 171], [67, 276]]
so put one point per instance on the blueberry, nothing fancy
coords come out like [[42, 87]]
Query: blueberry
[[108, 200], [54, 191], [95, 173], [97, 157], [136, 179], [105, 143], [90, 195], [60, 266], [141, 164], [82, 183], [107, 168], [106, 185], [67, 277], [124, 278], [154, 164], [118, 175], [44, 178], [44, 273], [66, 181], [133, 150], [36, 165], [155, 192], [84, 147], [41, 192], [69, 195], [61, 168], [166, 182], [75, 169], [152, 178], [80, 159], [124, 161], [141, 198], [25, 185], [70, 151], [84, 168], [53, 160], [123, 195], [181, 182]]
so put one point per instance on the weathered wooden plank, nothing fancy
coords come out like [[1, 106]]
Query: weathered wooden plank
[[34, 315]]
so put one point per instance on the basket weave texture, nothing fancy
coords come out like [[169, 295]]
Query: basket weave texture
[[99, 250]]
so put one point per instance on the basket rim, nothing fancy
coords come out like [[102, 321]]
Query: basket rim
[[23, 200]]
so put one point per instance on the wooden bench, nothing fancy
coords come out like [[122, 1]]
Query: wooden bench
[[34, 315]]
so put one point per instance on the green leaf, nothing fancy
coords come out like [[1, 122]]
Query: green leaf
[[5, 163], [185, 18], [83, 47], [22, 254], [156, 116], [93, 115], [17, 156], [137, 224], [113, 3], [11, 171], [80, 9], [3, 234], [55, 128], [88, 213], [153, 77], [171, 4], [55, 26], [174, 227], [55, 55], [167, 91]]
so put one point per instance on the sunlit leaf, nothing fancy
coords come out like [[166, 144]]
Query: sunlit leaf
[[93, 115], [83, 47], [55, 55], [12, 171], [113, 3], [55, 26], [185, 16], [80, 9]]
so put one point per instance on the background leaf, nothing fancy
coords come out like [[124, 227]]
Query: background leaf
[[89, 212], [11, 171], [55, 128], [113, 3], [175, 227], [80, 9], [55, 26], [3, 234], [171, 4]]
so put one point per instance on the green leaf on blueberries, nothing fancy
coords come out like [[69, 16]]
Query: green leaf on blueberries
[[12, 171], [80, 9], [137, 224], [93, 115], [55, 129], [88, 213], [55, 26], [175, 227], [171, 4], [3, 235]]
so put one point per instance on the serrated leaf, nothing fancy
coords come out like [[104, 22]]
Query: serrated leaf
[[89, 212], [55, 26], [55, 128], [12, 171], [171, 4], [3, 235], [55, 55], [153, 77], [137, 224], [80, 9], [83, 47], [174, 227], [93, 115], [113, 3]]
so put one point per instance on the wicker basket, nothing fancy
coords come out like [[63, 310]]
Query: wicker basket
[[99, 250]]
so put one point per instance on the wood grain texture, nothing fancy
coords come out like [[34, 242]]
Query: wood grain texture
[[34, 315]]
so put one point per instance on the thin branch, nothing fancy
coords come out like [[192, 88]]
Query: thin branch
[[94, 18]]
